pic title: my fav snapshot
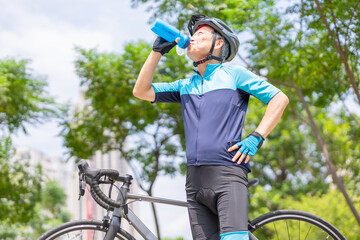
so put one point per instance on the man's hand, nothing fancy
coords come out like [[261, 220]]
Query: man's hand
[[162, 46], [248, 147]]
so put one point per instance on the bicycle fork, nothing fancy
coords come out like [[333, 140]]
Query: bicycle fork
[[252, 237], [124, 212], [115, 223], [120, 212]]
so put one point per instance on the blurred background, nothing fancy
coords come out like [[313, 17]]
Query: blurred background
[[67, 69]]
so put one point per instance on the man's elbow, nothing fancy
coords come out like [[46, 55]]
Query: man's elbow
[[136, 93], [284, 99], [142, 95]]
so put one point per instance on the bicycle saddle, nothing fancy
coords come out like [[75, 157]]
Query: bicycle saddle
[[253, 182]]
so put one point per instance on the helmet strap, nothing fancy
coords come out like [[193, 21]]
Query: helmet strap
[[209, 56]]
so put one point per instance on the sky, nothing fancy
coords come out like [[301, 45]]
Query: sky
[[46, 33]]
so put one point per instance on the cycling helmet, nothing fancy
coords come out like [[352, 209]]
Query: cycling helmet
[[221, 28]]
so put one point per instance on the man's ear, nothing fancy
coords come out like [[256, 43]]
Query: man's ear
[[218, 44]]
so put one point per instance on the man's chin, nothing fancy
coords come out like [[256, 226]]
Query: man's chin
[[190, 56]]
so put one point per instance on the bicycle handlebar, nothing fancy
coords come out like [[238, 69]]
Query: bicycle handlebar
[[94, 173], [92, 177]]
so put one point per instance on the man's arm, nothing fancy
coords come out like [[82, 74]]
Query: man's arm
[[143, 88], [273, 113]]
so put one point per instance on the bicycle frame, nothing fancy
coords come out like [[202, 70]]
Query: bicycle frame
[[129, 215], [120, 209]]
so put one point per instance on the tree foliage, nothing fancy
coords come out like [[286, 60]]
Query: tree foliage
[[23, 100], [148, 136], [328, 206], [112, 115], [48, 213], [287, 163], [20, 187], [310, 50]]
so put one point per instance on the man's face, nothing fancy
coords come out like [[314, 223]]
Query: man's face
[[200, 43]]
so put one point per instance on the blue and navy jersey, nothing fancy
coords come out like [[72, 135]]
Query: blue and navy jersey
[[214, 109]]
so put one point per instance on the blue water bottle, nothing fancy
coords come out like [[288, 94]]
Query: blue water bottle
[[169, 33]]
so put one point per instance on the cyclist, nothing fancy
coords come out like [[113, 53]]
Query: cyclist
[[214, 103]]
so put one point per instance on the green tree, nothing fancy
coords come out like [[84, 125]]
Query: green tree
[[22, 101], [20, 187], [50, 210], [289, 53], [310, 60], [150, 137], [287, 163], [339, 21], [48, 213]]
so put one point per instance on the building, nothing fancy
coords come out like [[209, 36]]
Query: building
[[54, 168]]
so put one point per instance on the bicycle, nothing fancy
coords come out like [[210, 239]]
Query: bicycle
[[281, 224]]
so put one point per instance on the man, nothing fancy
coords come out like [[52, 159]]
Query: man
[[214, 103]]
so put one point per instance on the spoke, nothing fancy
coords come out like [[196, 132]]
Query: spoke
[[276, 231], [308, 231], [76, 236], [288, 229], [321, 233], [326, 234]]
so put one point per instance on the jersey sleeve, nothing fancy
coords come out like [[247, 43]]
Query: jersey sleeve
[[167, 92], [254, 85]]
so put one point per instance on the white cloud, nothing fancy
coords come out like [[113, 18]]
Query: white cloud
[[49, 43], [47, 31]]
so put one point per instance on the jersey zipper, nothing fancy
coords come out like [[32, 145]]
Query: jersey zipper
[[197, 135], [202, 85]]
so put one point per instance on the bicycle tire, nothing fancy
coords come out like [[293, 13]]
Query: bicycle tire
[[81, 229], [294, 224]]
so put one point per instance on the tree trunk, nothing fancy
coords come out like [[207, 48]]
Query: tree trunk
[[330, 165], [156, 220]]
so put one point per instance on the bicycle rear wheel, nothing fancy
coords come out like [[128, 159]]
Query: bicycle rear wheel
[[82, 229], [293, 224]]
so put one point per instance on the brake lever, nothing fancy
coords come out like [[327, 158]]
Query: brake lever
[[82, 185]]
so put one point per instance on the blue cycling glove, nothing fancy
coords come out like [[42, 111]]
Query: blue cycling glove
[[250, 144]]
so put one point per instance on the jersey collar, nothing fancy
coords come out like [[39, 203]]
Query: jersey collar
[[210, 69]]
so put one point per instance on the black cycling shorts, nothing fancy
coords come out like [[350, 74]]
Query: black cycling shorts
[[217, 200]]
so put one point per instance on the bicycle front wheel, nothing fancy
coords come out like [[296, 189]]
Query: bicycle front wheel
[[293, 224], [82, 229]]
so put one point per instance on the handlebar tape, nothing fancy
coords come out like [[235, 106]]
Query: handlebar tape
[[111, 173]]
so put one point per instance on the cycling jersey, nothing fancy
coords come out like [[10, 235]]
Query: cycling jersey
[[214, 108]]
